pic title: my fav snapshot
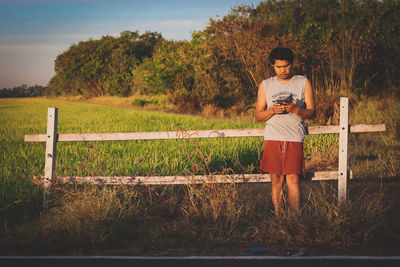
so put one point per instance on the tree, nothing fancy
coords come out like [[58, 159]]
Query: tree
[[104, 66]]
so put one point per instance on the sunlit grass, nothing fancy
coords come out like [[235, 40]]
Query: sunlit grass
[[208, 217], [22, 160]]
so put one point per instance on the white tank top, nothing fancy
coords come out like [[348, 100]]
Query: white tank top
[[286, 126]]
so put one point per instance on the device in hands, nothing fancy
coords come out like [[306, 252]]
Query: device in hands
[[285, 101]]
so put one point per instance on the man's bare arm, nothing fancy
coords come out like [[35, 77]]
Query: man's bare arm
[[263, 114], [309, 112]]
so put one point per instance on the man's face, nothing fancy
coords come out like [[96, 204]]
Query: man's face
[[283, 69]]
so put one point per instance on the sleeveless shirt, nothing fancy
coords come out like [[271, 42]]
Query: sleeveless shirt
[[286, 126]]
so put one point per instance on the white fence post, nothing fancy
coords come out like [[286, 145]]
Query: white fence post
[[51, 141], [343, 141]]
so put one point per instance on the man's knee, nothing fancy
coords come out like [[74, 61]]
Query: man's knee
[[276, 178], [292, 180]]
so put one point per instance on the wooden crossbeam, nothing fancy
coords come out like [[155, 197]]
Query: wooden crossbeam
[[257, 132], [182, 179]]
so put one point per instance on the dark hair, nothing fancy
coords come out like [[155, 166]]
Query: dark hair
[[281, 53]]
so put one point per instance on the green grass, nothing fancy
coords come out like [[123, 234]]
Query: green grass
[[154, 157], [192, 219], [21, 161], [376, 154]]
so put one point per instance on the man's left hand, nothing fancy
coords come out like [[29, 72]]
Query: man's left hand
[[292, 107]]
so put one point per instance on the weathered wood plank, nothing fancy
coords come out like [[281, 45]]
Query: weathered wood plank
[[332, 129], [365, 128], [257, 132], [51, 152], [343, 144], [32, 138], [161, 135], [182, 180], [164, 180], [51, 144]]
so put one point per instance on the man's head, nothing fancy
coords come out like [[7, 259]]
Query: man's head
[[282, 60], [281, 53]]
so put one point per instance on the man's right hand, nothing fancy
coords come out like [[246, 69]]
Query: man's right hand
[[278, 109]]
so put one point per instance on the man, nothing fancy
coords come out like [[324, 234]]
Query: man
[[284, 101]]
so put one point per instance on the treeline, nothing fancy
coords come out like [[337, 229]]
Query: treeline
[[24, 91], [341, 46]]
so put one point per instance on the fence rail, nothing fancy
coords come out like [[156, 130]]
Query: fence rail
[[52, 137], [182, 179], [357, 128]]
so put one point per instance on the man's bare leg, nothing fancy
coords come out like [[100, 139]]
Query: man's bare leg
[[276, 192], [292, 181]]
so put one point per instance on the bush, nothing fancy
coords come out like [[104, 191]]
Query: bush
[[185, 102], [137, 102]]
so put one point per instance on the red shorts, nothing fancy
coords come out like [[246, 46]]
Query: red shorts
[[283, 157]]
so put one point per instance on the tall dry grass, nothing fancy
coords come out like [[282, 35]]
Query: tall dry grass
[[200, 218], [216, 204], [90, 214], [324, 226]]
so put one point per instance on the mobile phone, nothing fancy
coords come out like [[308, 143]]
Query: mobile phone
[[285, 101]]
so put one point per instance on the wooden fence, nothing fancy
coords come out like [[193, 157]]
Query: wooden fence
[[52, 137]]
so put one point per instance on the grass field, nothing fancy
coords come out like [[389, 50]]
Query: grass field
[[28, 116], [148, 220]]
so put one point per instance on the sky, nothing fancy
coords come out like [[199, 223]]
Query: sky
[[34, 32]]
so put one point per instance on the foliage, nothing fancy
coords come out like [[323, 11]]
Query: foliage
[[102, 67], [23, 91], [337, 43], [343, 47]]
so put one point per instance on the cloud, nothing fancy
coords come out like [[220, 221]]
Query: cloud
[[177, 29], [170, 23], [174, 23], [18, 3], [75, 36], [31, 48], [31, 41]]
